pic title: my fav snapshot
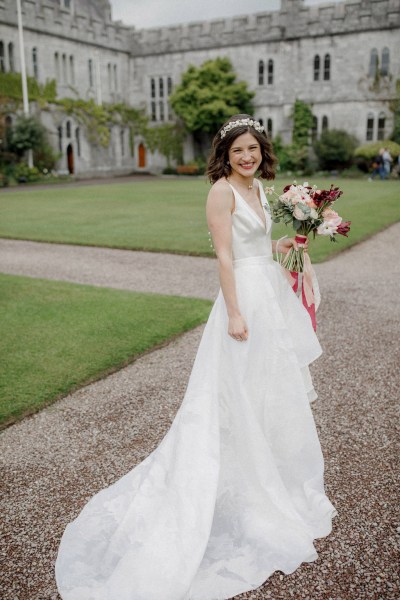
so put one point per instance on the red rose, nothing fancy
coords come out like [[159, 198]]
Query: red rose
[[344, 228]]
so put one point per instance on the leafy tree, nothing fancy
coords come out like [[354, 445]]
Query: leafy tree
[[27, 134], [335, 149], [395, 108], [208, 95], [167, 139], [302, 123]]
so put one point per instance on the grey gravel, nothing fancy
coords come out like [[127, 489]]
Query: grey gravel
[[54, 461]]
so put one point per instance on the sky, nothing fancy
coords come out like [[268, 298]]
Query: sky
[[153, 13]]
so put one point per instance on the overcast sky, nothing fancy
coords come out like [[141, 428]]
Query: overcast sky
[[152, 13]]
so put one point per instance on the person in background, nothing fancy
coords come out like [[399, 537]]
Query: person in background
[[377, 166], [387, 160]]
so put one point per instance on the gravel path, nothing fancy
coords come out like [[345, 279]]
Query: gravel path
[[53, 462]]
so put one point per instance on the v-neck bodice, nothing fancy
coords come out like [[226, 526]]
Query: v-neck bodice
[[250, 236]]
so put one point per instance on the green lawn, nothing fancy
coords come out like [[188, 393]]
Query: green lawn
[[55, 337], [168, 215]]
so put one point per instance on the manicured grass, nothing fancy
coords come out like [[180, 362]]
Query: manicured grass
[[168, 215], [54, 336]]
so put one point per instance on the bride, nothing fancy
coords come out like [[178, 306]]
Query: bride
[[235, 489]]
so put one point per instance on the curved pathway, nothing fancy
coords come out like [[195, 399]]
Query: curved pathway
[[53, 462]]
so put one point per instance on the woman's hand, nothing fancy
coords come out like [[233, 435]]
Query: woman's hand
[[287, 243], [237, 328]]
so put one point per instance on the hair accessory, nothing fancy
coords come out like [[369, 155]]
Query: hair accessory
[[232, 124]]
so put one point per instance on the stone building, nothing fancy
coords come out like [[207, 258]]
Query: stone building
[[342, 58]]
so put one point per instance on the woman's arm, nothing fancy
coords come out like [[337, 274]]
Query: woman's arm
[[220, 205]]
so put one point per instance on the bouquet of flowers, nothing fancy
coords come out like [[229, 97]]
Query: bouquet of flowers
[[309, 210]]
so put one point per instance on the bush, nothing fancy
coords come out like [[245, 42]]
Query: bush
[[365, 154], [25, 174], [335, 149]]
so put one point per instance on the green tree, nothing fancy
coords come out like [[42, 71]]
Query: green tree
[[395, 108], [167, 139], [335, 149], [27, 134], [302, 123], [208, 95]]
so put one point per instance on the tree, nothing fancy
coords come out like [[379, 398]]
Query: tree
[[208, 95], [302, 123], [394, 106], [27, 134], [335, 148]]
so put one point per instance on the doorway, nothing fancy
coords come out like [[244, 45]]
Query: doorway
[[142, 156], [70, 159]]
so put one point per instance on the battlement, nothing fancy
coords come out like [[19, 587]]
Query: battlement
[[83, 20], [293, 20]]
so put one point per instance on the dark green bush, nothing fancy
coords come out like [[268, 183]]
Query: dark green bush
[[335, 149]]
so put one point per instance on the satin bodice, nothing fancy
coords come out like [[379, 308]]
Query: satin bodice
[[250, 236]]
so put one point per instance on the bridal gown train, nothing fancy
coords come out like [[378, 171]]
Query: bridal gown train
[[235, 489]]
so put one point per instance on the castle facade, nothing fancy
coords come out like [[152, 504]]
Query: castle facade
[[342, 58]]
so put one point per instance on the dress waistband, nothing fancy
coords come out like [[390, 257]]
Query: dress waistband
[[252, 260]]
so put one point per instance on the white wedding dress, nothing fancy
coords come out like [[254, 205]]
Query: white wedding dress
[[235, 489]]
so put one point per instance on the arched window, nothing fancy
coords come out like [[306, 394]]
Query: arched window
[[78, 141], [327, 67], [317, 67], [261, 121], [381, 126], [60, 139], [153, 88], [35, 63], [169, 86], [270, 71], [269, 127], [90, 71], [153, 111], [314, 130], [162, 116], [64, 68], [122, 139], [11, 57], [373, 63], [115, 77], [57, 65], [109, 77], [68, 129], [261, 72], [71, 69], [161, 87], [385, 62], [370, 127], [2, 61], [325, 124]]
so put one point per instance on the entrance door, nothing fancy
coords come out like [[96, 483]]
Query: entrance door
[[142, 155], [70, 159]]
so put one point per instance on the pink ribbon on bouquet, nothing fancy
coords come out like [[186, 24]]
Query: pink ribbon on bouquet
[[310, 296]]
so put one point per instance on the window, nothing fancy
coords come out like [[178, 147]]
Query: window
[[325, 124], [11, 57], [169, 86], [78, 141], [60, 139], [373, 63], [115, 77], [162, 116], [67, 4], [314, 130], [317, 66], [327, 67], [57, 65], [122, 138], [270, 72], [161, 87], [35, 65], [153, 111], [370, 127], [261, 73], [261, 121], [64, 68], [381, 126], [2, 61], [153, 88], [90, 68], [109, 77], [68, 129], [71, 69], [385, 62], [269, 127]]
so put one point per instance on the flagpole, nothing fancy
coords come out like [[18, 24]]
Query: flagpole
[[23, 72]]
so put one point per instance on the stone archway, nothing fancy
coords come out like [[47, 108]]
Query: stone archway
[[141, 156], [70, 159]]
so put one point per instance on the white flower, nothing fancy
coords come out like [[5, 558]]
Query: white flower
[[270, 190], [299, 213], [326, 228]]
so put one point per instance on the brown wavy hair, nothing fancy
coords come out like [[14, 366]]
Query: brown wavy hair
[[218, 165]]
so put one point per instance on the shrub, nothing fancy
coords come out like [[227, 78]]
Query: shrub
[[365, 154], [25, 174], [335, 149]]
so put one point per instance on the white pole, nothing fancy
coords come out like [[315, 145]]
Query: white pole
[[23, 72]]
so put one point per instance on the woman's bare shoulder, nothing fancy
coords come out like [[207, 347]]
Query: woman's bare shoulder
[[220, 192]]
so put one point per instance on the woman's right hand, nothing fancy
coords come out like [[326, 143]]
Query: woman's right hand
[[237, 328]]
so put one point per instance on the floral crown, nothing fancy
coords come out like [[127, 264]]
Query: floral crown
[[232, 124]]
